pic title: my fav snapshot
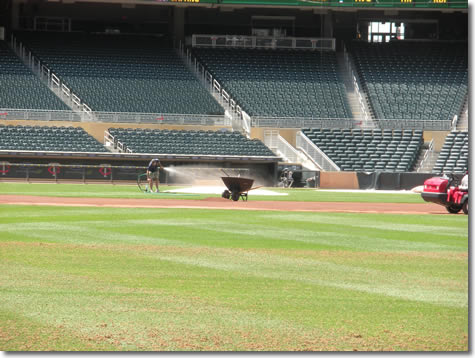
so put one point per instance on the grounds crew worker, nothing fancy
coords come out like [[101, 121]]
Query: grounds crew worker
[[153, 170]]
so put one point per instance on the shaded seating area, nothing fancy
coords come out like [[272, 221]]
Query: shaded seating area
[[453, 156], [370, 149], [198, 142], [123, 73], [413, 80], [43, 138], [20, 88], [279, 83]]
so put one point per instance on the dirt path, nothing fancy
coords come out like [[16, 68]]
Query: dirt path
[[220, 203]]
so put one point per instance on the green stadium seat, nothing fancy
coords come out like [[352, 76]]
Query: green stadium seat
[[368, 152], [123, 73]]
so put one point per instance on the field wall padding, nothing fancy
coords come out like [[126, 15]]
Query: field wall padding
[[372, 180], [338, 180], [392, 181]]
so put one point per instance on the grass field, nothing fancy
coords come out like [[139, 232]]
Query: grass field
[[116, 279], [131, 191]]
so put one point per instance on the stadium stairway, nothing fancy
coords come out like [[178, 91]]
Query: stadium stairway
[[426, 160], [122, 73], [462, 124], [279, 83], [20, 88], [228, 104], [413, 81], [353, 100]]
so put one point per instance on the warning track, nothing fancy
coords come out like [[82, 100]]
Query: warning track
[[220, 203]]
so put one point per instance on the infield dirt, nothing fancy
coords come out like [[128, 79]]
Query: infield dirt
[[220, 203]]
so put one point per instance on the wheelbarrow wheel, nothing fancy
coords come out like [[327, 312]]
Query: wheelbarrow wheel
[[226, 194], [235, 195]]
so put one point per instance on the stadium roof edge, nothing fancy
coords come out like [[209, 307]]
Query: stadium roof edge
[[132, 156], [308, 5]]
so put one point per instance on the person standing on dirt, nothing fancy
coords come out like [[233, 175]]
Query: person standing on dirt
[[153, 171]]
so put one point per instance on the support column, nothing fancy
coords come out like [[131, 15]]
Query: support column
[[179, 24], [15, 15], [327, 20]]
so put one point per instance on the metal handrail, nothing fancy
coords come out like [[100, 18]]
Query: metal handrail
[[317, 155], [214, 120], [287, 150], [278, 144], [217, 90], [52, 80], [302, 122], [356, 84], [115, 117], [428, 153], [243, 41], [455, 122]]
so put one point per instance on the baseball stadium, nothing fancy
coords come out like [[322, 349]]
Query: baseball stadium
[[234, 176]]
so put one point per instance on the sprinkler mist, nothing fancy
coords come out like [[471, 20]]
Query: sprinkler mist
[[170, 170], [201, 175]]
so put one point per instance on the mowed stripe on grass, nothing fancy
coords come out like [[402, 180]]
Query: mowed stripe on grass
[[132, 192], [169, 279]]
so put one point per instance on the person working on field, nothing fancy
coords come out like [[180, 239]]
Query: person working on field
[[153, 170]]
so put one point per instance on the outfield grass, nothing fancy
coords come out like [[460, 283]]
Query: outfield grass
[[189, 279], [131, 191]]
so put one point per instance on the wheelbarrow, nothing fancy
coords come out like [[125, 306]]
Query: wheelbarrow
[[237, 187]]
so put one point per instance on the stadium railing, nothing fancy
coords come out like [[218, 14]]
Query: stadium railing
[[239, 119], [48, 77], [320, 158], [356, 85], [40, 115], [429, 153], [212, 120], [115, 117], [436, 125], [280, 146], [302, 122], [270, 42]]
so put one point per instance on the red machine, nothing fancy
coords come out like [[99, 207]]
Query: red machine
[[446, 191]]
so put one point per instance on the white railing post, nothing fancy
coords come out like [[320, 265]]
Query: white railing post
[[246, 122], [287, 150], [454, 122], [427, 155], [46, 75], [280, 146]]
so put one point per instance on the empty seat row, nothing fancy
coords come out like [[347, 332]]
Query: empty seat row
[[369, 150], [20, 88], [279, 83], [122, 73], [413, 80], [44, 138], [453, 156], [189, 142]]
